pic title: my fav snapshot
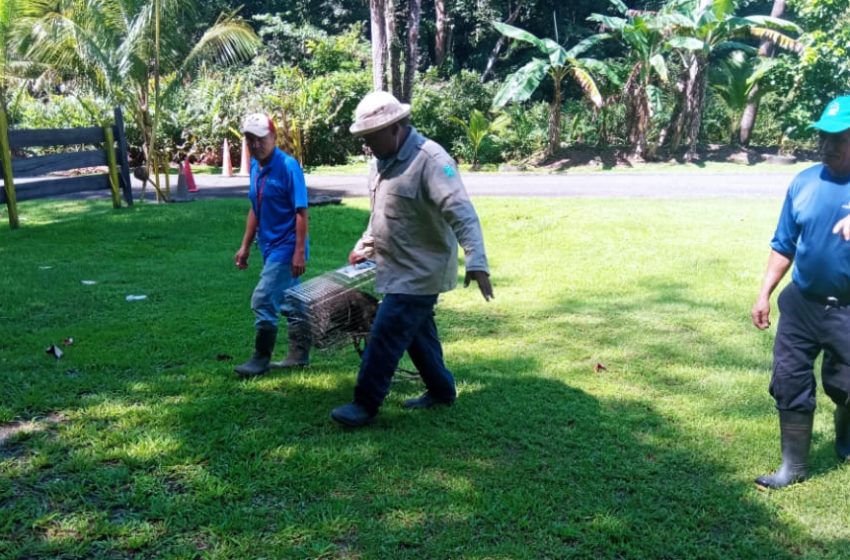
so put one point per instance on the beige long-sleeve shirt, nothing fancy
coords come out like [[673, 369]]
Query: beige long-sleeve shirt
[[420, 212]]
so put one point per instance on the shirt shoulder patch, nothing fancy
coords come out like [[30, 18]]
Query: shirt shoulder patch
[[449, 171]]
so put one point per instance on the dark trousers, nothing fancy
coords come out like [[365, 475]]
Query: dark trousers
[[807, 327], [403, 322]]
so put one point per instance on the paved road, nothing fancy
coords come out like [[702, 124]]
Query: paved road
[[698, 184]]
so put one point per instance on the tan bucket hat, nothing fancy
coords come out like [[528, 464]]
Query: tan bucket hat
[[377, 110]]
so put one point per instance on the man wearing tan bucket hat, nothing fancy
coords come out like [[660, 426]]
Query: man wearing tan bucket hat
[[420, 212]]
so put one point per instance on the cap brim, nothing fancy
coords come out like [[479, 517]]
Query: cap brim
[[831, 126], [256, 132], [361, 129]]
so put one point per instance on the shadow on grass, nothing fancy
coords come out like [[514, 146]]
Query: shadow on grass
[[521, 467]]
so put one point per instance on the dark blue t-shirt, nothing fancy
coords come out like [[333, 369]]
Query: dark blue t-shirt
[[814, 203], [277, 191]]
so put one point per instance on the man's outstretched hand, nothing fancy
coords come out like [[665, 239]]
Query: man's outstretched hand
[[483, 280]]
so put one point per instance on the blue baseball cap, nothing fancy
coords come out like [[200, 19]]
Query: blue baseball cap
[[836, 117]]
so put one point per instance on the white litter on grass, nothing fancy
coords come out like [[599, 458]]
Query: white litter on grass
[[54, 351], [136, 298], [45, 267], [88, 282]]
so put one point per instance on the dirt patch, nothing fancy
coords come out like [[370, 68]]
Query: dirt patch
[[34, 425]]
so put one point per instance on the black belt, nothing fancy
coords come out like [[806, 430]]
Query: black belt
[[829, 302]]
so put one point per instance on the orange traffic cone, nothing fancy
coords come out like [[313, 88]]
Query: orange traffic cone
[[245, 164], [226, 166], [190, 179]]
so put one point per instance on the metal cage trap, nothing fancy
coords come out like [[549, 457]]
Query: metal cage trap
[[336, 307]]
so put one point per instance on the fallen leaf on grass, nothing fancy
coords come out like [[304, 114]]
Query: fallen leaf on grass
[[68, 341], [54, 351], [599, 367]]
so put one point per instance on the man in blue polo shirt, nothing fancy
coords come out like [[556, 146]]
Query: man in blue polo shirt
[[813, 234], [278, 220]]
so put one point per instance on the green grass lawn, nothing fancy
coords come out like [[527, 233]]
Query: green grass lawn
[[140, 443]]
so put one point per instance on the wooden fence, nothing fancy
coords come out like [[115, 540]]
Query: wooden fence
[[116, 179]]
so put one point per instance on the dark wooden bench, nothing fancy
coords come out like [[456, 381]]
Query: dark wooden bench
[[113, 154]]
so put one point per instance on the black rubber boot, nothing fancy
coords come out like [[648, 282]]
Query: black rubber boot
[[263, 348], [842, 432], [796, 435]]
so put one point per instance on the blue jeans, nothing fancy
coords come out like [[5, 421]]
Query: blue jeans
[[403, 322], [267, 300]]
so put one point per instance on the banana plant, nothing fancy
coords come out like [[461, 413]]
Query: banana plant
[[644, 35], [557, 63], [703, 30]]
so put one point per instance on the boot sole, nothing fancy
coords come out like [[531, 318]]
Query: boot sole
[[248, 375], [281, 365], [762, 484], [349, 423]]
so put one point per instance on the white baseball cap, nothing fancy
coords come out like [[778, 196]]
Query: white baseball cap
[[377, 110], [258, 124]]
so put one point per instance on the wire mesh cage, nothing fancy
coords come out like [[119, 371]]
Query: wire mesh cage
[[336, 307]]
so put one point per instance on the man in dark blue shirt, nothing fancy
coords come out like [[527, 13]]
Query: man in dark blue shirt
[[278, 220], [813, 234]]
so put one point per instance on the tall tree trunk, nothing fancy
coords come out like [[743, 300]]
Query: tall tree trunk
[[494, 54], [441, 33], [555, 120], [379, 44], [393, 47], [411, 51], [748, 119], [694, 104], [637, 112]]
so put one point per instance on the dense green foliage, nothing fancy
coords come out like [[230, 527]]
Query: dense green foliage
[[314, 63]]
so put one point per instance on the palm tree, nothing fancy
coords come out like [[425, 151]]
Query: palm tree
[[644, 33], [558, 63], [11, 65], [119, 47], [704, 28]]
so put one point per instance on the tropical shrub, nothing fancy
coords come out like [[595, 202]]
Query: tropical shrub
[[479, 145], [823, 71], [307, 81], [527, 134], [436, 102], [56, 110]]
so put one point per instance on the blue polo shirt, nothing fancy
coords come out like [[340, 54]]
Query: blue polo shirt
[[277, 191], [814, 203]]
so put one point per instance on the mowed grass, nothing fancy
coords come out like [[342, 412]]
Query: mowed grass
[[140, 443]]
